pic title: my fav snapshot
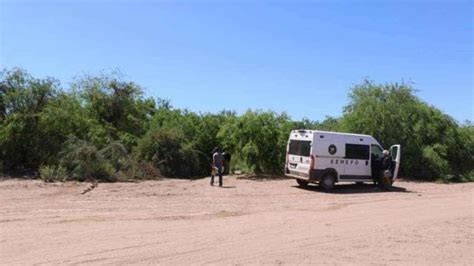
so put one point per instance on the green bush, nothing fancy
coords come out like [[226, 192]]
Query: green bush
[[119, 106], [85, 162], [166, 149], [139, 170], [468, 177], [53, 173], [434, 165], [102, 127], [116, 155], [257, 140], [434, 146], [22, 100]]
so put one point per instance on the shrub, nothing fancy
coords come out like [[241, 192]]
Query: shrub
[[53, 173], [434, 146], [166, 150], [91, 128], [22, 100], [139, 171], [468, 177], [434, 165], [257, 140], [116, 155], [84, 161]]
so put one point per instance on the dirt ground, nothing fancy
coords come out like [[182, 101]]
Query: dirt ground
[[246, 222]]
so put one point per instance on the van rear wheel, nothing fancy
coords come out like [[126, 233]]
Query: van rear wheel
[[302, 183], [328, 182]]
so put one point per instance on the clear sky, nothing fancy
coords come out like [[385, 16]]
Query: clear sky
[[301, 57]]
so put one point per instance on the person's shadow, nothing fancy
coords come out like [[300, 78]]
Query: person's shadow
[[228, 187]]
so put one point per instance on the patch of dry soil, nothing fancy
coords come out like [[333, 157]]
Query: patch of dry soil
[[275, 222]]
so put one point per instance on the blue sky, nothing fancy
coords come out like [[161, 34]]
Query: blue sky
[[301, 57]]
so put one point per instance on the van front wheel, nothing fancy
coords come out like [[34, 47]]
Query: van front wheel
[[328, 182], [302, 183]]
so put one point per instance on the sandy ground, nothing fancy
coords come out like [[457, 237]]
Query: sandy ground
[[246, 222]]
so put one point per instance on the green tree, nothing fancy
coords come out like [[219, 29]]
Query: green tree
[[119, 106], [103, 128], [258, 139], [168, 151], [22, 100], [431, 141]]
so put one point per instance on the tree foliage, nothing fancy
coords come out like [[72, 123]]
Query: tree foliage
[[434, 146], [22, 100], [258, 139], [102, 127]]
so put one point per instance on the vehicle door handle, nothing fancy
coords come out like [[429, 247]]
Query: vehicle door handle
[[366, 162]]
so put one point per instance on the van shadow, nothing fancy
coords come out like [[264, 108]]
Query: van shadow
[[355, 189]]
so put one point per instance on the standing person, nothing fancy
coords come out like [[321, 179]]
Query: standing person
[[217, 164], [386, 173], [387, 161]]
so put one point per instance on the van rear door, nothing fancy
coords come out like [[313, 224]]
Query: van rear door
[[299, 152], [395, 152]]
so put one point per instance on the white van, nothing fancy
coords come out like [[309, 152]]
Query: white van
[[327, 158]]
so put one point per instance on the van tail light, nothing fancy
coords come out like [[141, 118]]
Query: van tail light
[[312, 162]]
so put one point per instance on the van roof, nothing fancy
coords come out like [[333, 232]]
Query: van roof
[[330, 132]]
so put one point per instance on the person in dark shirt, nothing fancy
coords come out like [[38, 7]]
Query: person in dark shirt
[[387, 161], [386, 172], [217, 165]]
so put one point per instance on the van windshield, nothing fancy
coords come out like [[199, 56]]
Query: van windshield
[[299, 147]]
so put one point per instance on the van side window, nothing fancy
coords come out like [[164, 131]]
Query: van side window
[[299, 147], [357, 151], [376, 152]]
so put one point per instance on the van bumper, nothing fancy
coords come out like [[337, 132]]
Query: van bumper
[[297, 176]]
